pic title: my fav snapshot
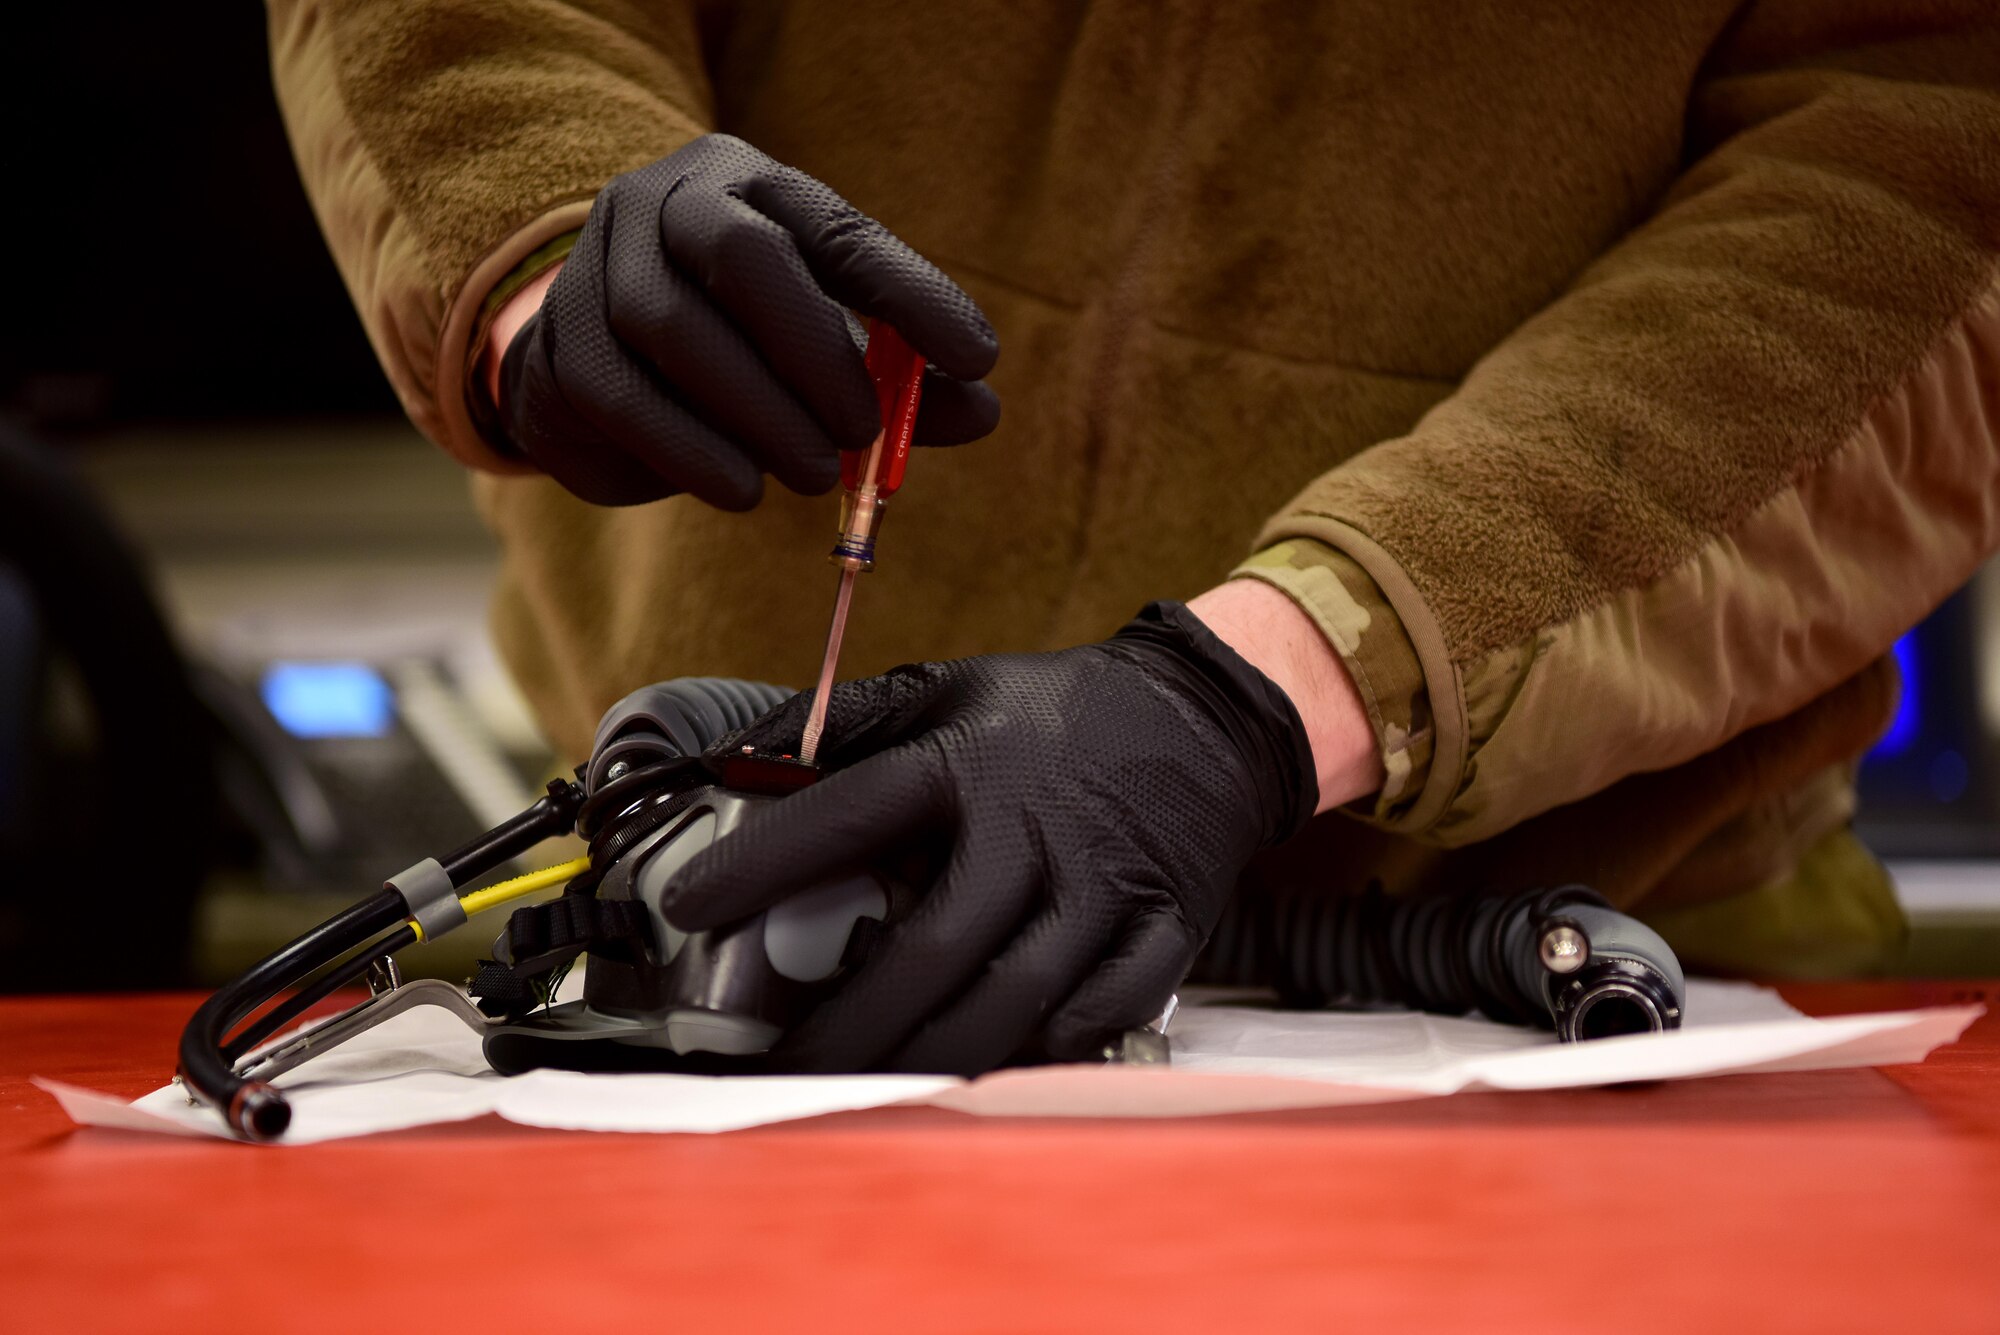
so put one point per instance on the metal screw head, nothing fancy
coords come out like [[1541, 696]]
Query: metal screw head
[[619, 769], [1564, 949]]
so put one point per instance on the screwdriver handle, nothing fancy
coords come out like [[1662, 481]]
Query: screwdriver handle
[[898, 372]]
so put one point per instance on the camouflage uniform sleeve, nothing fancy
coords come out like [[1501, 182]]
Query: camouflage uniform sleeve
[[1351, 611], [1722, 472]]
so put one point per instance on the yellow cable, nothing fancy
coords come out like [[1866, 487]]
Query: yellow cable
[[494, 895]]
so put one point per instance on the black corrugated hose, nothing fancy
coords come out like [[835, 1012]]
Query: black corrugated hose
[[1448, 955]]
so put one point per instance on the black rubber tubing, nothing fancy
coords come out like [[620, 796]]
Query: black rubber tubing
[[207, 1065], [552, 815], [1446, 954], [261, 1114], [708, 708], [339, 976]]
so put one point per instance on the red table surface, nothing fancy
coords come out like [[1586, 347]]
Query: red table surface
[[1842, 1200]]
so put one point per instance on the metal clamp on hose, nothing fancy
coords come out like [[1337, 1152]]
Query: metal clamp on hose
[[1606, 973]]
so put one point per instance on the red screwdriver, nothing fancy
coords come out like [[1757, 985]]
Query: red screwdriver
[[868, 479]]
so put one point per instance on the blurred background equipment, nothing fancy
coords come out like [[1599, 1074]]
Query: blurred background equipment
[[192, 360], [1931, 787], [1930, 790], [330, 584], [107, 791]]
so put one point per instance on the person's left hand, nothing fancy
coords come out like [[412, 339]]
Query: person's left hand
[[1098, 804]]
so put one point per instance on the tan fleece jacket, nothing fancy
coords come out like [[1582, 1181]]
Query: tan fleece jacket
[[1611, 383]]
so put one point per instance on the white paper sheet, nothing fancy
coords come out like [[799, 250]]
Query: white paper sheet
[[424, 1067]]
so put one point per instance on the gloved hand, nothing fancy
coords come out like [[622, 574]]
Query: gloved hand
[[1094, 808], [696, 338]]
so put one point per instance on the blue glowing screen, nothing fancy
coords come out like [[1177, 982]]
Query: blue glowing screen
[[1909, 720], [328, 699]]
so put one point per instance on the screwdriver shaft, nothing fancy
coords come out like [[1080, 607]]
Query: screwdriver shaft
[[836, 630]]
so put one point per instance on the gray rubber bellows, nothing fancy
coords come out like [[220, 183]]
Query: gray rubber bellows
[[671, 719]]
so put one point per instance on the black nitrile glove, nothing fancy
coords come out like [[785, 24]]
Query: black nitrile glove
[[1093, 808], [696, 338]]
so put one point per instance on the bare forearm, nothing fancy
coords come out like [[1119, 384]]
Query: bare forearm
[[1281, 641], [507, 321]]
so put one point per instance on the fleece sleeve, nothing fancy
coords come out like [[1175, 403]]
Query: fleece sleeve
[[448, 147], [1721, 473]]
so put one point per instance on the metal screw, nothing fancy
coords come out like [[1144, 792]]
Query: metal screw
[[1564, 949], [619, 769], [383, 976]]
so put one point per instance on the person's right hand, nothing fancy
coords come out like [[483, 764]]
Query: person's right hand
[[698, 337]]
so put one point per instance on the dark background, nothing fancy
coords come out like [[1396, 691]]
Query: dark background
[[165, 264]]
